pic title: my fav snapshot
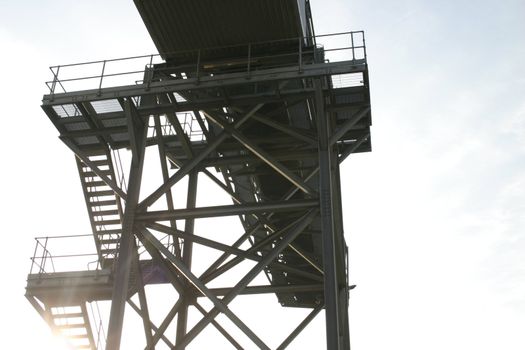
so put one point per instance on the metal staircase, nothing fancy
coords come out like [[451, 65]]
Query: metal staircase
[[103, 205], [72, 323]]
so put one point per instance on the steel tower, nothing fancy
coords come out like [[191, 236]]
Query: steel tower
[[264, 112]]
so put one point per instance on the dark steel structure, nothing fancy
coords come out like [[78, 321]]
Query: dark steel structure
[[267, 113]]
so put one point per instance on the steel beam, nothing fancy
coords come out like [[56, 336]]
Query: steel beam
[[152, 326], [226, 255], [294, 132], [300, 327], [271, 289], [201, 287], [243, 283], [270, 239], [187, 250], [214, 271], [191, 237], [205, 82], [354, 119], [335, 315], [166, 322], [175, 280], [352, 148], [137, 131], [190, 165], [262, 154], [225, 210], [262, 219], [142, 296], [165, 176], [220, 329]]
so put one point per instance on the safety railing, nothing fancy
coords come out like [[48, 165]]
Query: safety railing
[[210, 62], [63, 254], [41, 257], [97, 324], [188, 122], [71, 253]]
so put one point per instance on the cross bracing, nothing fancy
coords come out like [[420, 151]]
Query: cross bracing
[[270, 138]]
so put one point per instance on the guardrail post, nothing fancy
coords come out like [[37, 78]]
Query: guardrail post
[[300, 54], [44, 257], [101, 77], [149, 72], [364, 45], [54, 83], [55, 79], [353, 46], [198, 65], [34, 257], [249, 59]]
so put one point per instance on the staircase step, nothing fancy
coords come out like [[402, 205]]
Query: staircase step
[[98, 162], [109, 232], [92, 174], [95, 183], [108, 222], [110, 241], [105, 212], [71, 315], [72, 326], [78, 336], [101, 193], [103, 203], [97, 152], [108, 251]]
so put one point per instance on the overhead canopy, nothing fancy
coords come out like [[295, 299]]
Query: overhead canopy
[[180, 25]]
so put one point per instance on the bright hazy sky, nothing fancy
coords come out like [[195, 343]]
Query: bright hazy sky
[[434, 216]]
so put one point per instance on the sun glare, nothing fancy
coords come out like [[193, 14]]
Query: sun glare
[[57, 343]]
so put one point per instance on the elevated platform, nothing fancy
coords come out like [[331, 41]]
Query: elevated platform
[[275, 126], [70, 288], [284, 129]]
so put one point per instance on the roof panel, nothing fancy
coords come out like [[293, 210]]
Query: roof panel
[[180, 25]]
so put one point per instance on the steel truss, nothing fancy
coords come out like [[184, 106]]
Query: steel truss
[[276, 138]]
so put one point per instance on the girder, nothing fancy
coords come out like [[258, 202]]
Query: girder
[[276, 136]]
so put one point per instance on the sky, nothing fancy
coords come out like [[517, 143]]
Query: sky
[[434, 216]]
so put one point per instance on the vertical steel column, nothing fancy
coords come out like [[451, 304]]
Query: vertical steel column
[[331, 285], [187, 254], [340, 250], [142, 296], [137, 134], [165, 177]]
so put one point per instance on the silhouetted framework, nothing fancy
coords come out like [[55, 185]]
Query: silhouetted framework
[[267, 122]]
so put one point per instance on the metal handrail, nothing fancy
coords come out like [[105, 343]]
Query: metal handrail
[[99, 326], [356, 47], [210, 48], [42, 255], [43, 258]]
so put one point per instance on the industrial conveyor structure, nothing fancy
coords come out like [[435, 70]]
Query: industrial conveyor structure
[[243, 96]]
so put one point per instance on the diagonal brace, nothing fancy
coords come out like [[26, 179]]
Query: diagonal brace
[[194, 280], [262, 154], [190, 165], [243, 283]]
